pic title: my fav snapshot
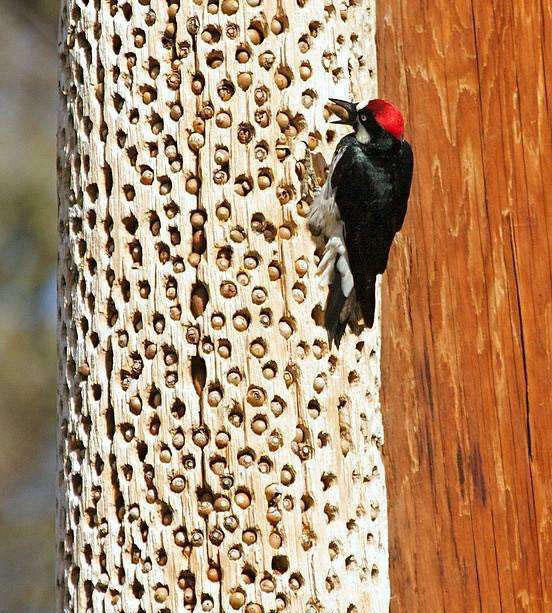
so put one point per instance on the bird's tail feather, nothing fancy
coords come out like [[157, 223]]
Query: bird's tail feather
[[334, 322], [340, 309], [366, 296]]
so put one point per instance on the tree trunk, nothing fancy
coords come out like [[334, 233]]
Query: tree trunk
[[215, 453], [467, 349]]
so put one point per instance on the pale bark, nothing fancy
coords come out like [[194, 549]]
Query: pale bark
[[215, 453]]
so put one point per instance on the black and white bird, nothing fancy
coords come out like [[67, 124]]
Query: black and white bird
[[360, 208]]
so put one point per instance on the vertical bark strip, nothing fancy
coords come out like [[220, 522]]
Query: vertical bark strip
[[466, 345], [215, 453]]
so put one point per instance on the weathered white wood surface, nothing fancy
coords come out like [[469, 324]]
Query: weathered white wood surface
[[215, 453]]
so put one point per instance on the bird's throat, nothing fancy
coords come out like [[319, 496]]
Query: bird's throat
[[362, 135]]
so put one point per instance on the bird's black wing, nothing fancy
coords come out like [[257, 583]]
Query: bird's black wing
[[402, 181], [365, 198], [336, 312]]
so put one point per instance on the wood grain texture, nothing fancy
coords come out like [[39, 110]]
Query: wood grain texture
[[467, 311], [215, 453]]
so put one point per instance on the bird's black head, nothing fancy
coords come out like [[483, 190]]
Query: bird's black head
[[375, 122]]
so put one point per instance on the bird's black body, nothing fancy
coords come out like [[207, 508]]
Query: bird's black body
[[371, 183]]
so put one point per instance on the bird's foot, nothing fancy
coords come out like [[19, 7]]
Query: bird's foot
[[325, 269]]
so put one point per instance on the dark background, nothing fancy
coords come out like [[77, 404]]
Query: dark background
[[27, 304]]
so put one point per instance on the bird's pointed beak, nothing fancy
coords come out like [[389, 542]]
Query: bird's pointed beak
[[350, 108]]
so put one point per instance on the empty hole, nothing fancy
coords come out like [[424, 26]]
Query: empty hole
[[280, 564]]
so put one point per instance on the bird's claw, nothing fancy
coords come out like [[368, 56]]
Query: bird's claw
[[331, 253]]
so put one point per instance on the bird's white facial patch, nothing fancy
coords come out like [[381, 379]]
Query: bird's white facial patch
[[362, 134]]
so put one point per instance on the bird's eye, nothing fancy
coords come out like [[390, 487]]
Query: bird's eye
[[363, 117]]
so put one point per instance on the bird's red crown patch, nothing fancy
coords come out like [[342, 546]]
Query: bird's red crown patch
[[388, 116]]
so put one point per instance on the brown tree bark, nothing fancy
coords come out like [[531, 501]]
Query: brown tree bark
[[467, 311]]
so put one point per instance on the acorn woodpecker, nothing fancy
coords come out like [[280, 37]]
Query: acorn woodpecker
[[360, 208]]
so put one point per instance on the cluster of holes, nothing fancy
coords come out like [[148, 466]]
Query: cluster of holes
[[147, 280]]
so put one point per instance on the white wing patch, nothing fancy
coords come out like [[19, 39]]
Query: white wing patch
[[324, 218], [323, 213]]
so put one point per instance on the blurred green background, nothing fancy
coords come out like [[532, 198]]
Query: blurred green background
[[28, 98]]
